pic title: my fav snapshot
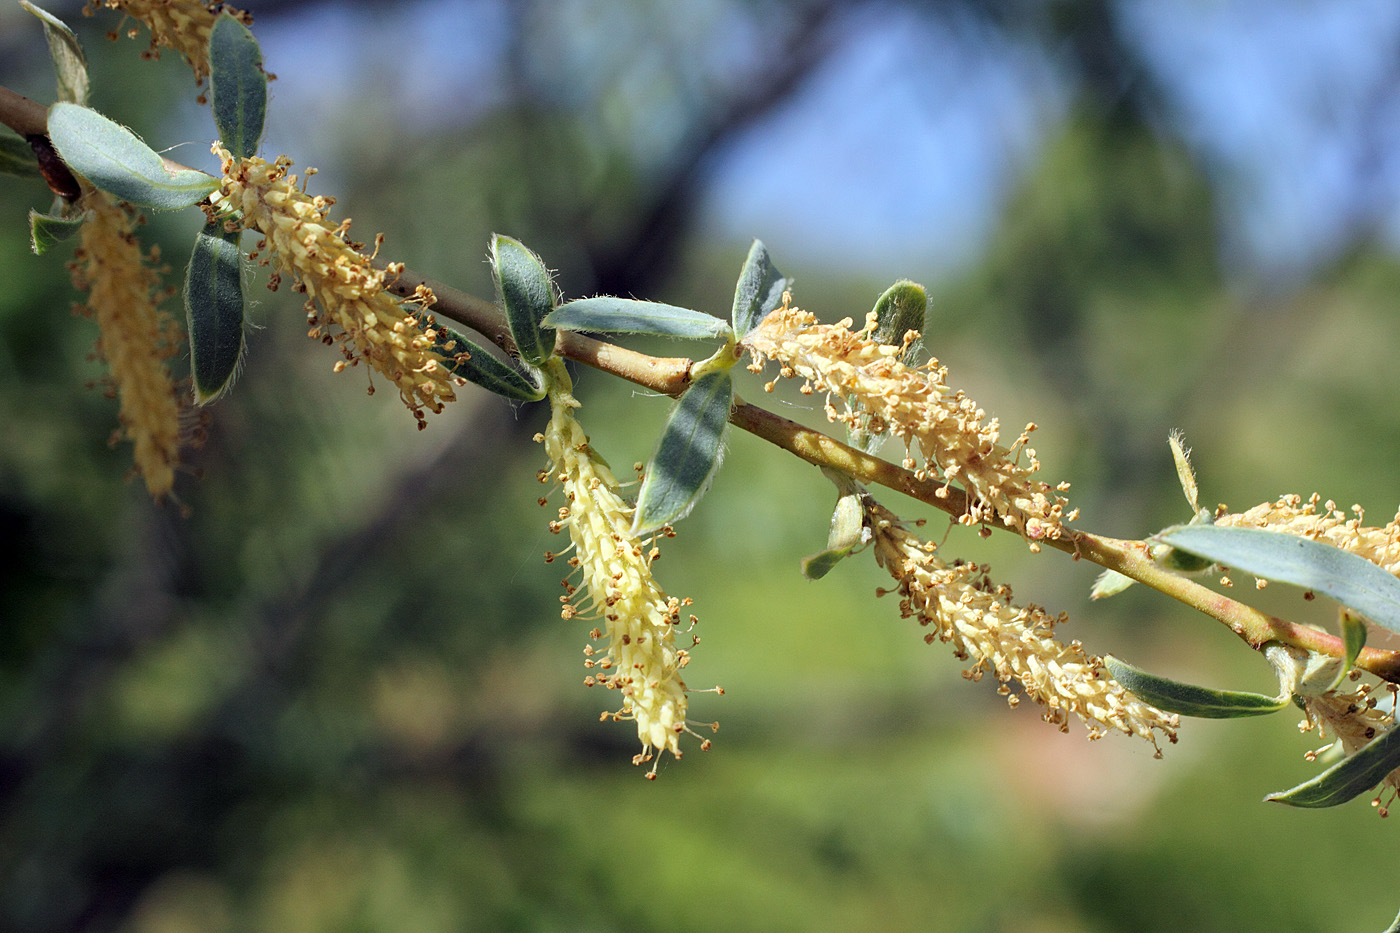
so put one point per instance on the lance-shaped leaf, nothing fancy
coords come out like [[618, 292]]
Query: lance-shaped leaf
[[1349, 777], [847, 532], [116, 161], [476, 364], [1181, 456], [527, 296], [1352, 581], [45, 230], [214, 311], [1188, 700], [68, 60], [688, 454], [608, 315], [759, 290], [237, 86]]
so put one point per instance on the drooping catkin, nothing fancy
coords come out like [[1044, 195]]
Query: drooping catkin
[[642, 660], [965, 609], [136, 338]]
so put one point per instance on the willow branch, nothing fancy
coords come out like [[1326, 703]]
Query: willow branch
[[29, 118], [667, 375], [671, 375], [1133, 559], [26, 117]]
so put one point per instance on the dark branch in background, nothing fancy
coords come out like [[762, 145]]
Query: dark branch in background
[[284, 623], [637, 264]]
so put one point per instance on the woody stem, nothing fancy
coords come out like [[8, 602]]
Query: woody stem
[[671, 376]]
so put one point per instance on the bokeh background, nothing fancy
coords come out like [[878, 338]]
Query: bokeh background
[[338, 696]]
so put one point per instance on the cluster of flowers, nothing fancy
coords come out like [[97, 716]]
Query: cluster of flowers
[[124, 288], [347, 302], [640, 621], [1013, 643], [124, 282], [1352, 718], [870, 388], [1292, 515], [181, 25], [878, 393]]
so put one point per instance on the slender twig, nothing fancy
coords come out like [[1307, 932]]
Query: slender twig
[[26, 117], [1133, 559], [671, 375]]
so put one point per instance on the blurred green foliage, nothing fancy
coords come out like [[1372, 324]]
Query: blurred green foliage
[[338, 696]]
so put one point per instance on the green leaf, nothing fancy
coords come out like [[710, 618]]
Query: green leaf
[[688, 454], [69, 62], [608, 315], [479, 365], [899, 310], [759, 290], [527, 295], [17, 157], [1352, 581], [1188, 700], [847, 532], [68, 59], [1354, 639], [816, 566], [1186, 474], [1179, 560], [112, 158], [237, 86], [214, 311], [46, 230], [1109, 583], [1349, 777]]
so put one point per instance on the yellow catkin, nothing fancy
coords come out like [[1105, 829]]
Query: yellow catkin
[[877, 392], [180, 25], [347, 302], [136, 338], [642, 661], [1353, 720], [1013, 643], [1293, 515]]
